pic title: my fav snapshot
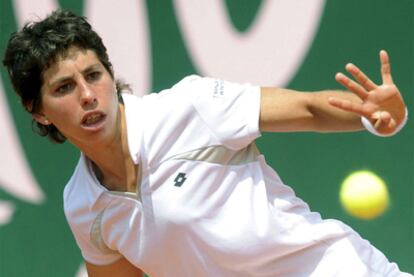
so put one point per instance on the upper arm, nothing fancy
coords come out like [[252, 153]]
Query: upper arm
[[121, 268], [283, 110], [228, 111]]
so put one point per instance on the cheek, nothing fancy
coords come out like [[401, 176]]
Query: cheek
[[59, 110], [111, 94]]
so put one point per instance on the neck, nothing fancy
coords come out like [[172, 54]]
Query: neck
[[112, 162]]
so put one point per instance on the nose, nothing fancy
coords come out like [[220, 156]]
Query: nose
[[88, 98]]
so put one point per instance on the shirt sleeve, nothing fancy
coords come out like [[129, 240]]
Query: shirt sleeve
[[122, 228], [231, 111], [84, 220], [89, 240]]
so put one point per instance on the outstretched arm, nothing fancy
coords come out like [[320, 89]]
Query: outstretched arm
[[284, 110]]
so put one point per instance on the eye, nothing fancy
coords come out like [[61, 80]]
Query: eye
[[93, 76], [64, 88]]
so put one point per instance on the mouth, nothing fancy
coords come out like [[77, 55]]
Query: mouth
[[93, 120]]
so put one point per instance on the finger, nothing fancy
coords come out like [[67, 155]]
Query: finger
[[351, 85], [383, 118], [378, 123], [360, 77], [348, 106], [385, 68], [392, 124], [387, 119]]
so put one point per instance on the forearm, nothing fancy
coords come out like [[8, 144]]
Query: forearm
[[284, 110], [327, 118]]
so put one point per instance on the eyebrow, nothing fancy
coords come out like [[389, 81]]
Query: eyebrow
[[64, 79]]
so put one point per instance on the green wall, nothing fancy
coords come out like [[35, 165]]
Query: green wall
[[37, 241]]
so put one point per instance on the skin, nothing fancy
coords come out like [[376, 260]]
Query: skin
[[77, 86], [382, 104], [284, 110], [73, 87]]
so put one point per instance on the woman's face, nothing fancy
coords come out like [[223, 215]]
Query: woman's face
[[79, 97]]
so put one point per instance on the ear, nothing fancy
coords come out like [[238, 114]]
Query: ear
[[41, 118]]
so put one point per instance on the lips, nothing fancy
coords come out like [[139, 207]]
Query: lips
[[93, 119]]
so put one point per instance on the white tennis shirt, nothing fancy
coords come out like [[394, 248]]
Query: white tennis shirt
[[209, 205]]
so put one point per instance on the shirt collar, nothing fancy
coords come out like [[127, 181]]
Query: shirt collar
[[134, 134]]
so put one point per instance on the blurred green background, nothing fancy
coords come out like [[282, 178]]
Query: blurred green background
[[36, 241]]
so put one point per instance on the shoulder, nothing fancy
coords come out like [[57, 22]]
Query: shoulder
[[196, 83], [193, 84], [84, 203], [189, 80], [82, 187], [80, 197]]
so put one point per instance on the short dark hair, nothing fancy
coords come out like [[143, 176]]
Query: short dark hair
[[37, 46]]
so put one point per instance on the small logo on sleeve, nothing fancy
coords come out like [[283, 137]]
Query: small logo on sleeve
[[218, 88], [180, 179]]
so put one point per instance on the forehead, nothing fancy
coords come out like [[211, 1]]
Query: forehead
[[73, 58]]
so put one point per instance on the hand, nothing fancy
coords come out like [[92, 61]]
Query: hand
[[382, 105]]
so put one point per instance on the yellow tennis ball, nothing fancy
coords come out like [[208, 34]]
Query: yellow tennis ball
[[364, 195]]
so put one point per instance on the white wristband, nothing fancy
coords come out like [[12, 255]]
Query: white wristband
[[370, 128]]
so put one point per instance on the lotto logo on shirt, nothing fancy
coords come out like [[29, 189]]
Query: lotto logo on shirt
[[180, 179]]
